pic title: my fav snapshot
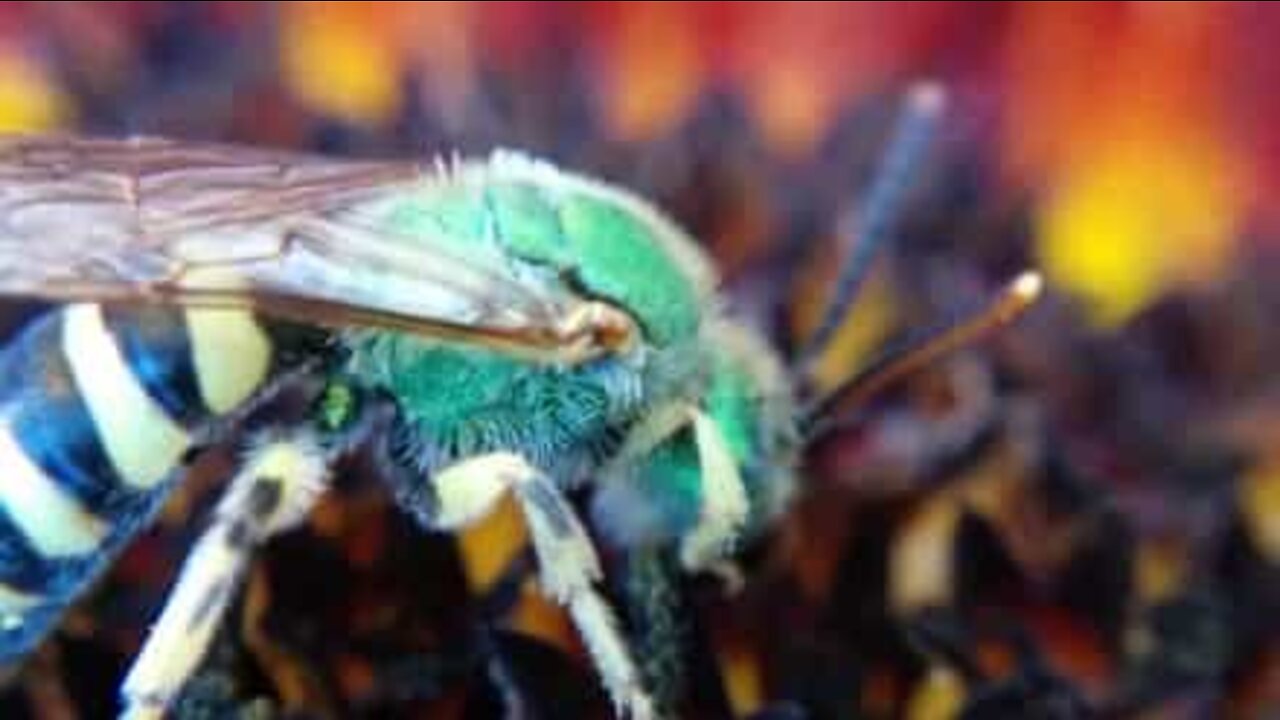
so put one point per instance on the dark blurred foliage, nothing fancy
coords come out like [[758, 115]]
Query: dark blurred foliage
[[1079, 519]]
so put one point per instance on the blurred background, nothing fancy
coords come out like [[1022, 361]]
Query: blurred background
[[1080, 519]]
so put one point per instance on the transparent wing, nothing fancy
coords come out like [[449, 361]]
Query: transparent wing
[[147, 219]]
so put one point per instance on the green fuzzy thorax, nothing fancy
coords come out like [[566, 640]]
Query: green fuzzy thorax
[[531, 224], [600, 242], [463, 401], [608, 252]]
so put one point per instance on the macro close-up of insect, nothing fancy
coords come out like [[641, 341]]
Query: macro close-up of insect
[[487, 326], [639, 361]]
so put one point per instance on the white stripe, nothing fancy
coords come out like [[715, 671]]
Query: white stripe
[[231, 355], [14, 605], [48, 516], [16, 601], [143, 442]]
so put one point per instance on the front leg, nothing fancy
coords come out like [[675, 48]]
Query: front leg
[[567, 560], [724, 506], [273, 491], [724, 503]]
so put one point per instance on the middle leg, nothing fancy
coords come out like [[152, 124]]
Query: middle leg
[[567, 560]]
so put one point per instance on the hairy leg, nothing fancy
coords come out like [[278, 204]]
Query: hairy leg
[[724, 501], [567, 561], [724, 505], [275, 488]]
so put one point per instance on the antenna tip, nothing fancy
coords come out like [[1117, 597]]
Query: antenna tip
[[927, 96], [1027, 286]]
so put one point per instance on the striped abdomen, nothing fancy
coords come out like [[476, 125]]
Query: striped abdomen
[[97, 407]]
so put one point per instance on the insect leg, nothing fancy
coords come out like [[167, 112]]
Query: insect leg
[[273, 491], [568, 565], [724, 499]]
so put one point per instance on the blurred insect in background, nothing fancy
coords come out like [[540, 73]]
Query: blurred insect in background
[[485, 328]]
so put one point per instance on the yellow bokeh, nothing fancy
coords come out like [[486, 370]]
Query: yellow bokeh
[[862, 332], [487, 549], [743, 679], [338, 64], [1260, 508], [939, 695], [1139, 216], [29, 100], [489, 546], [657, 73]]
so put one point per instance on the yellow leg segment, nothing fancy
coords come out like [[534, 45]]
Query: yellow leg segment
[[273, 491], [568, 565]]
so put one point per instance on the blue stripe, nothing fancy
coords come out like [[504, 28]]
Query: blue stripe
[[24, 569], [51, 423], [57, 582], [157, 346]]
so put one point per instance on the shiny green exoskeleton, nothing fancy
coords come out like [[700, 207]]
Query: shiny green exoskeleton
[[685, 433], [619, 421], [490, 328], [527, 330]]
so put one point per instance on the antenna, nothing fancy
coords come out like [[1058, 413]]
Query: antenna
[[917, 351], [880, 209]]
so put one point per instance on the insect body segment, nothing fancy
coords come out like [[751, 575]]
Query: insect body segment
[[530, 332], [294, 237], [100, 404], [273, 491], [562, 235]]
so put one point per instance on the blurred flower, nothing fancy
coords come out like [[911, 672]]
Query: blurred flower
[[1115, 111], [336, 59], [653, 67], [1137, 218], [29, 98], [349, 60]]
